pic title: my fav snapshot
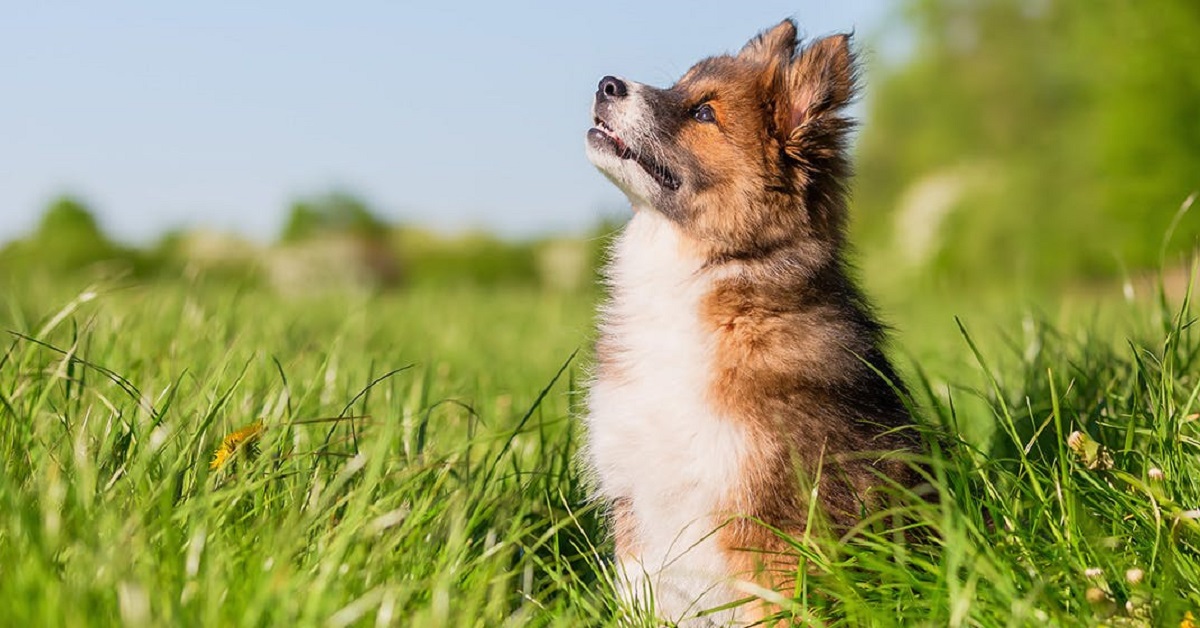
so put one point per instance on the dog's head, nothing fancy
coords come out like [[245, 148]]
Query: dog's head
[[746, 153]]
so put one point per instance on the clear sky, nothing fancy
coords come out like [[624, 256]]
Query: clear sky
[[215, 114]]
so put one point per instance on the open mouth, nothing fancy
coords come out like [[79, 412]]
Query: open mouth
[[604, 135]]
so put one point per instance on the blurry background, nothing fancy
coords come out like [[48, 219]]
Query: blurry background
[[1007, 146]]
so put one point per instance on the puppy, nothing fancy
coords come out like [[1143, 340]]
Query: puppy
[[739, 369]]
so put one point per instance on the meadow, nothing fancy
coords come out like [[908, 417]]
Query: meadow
[[194, 453]]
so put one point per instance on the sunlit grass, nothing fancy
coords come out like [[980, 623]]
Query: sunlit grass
[[192, 454]]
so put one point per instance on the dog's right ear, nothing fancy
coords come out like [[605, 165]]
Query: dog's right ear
[[777, 44], [820, 83], [823, 79]]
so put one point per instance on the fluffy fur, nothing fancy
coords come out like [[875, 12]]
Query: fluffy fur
[[735, 353]]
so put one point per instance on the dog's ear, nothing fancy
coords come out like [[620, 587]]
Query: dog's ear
[[820, 82], [823, 78], [777, 44]]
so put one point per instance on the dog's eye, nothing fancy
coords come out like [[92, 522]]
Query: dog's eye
[[704, 113]]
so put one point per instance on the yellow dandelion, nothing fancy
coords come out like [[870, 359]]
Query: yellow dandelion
[[244, 438], [1189, 621]]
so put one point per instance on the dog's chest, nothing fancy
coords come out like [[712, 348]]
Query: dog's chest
[[655, 437]]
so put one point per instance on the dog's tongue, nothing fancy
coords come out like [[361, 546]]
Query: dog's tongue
[[621, 147]]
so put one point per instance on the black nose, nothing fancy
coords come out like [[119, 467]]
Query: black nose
[[611, 87]]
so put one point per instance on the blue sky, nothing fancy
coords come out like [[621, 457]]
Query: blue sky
[[451, 115]]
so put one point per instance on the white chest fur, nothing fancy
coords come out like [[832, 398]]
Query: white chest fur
[[654, 438]]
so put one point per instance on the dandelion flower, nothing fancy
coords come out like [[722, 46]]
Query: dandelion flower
[[244, 438], [1188, 621]]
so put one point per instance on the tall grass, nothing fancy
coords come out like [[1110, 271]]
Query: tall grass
[[409, 461]]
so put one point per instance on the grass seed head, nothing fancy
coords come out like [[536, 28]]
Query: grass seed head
[[1134, 575]]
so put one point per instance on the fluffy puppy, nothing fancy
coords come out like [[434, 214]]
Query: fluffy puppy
[[736, 355]]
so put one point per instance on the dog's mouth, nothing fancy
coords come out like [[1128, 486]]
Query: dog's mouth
[[604, 135]]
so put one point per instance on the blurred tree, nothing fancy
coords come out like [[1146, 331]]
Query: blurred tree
[[333, 213], [1036, 139], [68, 217], [366, 249], [68, 238]]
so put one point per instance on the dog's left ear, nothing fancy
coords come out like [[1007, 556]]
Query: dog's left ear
[[820, 82]]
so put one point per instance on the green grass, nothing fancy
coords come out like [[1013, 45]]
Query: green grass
[[454, 499]]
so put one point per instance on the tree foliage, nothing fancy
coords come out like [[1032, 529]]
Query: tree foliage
[[68, 238], [1069, 129], [332, 213]]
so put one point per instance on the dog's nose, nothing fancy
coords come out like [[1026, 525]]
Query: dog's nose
[[611, 87]]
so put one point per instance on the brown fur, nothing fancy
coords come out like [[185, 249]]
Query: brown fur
[[799, 356], [797, 348], [624, 527], [776, 163]]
